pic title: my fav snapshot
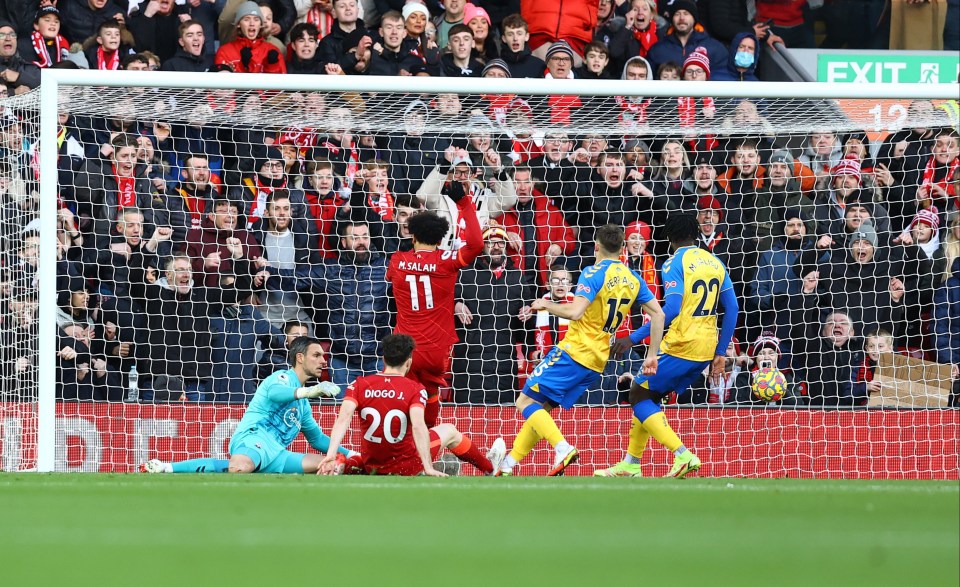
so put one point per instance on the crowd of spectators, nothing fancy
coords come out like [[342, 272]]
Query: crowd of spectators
[[197, 251]]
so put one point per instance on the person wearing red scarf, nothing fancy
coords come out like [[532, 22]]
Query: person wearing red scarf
[[105, 188], [108, 51], [320, 14], [940, 174], [45, 45], [644, 25], [192, 198], [637, 235], [256, 189]]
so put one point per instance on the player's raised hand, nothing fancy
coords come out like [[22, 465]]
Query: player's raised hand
[[621, 345], [322, 389], [463, 313]]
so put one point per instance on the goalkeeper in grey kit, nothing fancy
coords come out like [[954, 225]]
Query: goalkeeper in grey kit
[[279, 411]]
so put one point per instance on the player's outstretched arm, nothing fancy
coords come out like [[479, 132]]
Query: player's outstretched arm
[[670, 311], [421, 438], [572, 311], [322, 389], [472, 233], [340, 427]]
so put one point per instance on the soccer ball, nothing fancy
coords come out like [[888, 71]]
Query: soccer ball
[[769, 384]]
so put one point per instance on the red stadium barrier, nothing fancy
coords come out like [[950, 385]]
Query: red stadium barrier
[[867, 444]]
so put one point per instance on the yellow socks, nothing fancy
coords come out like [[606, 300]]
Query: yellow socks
[[639, 436], [657, 426]]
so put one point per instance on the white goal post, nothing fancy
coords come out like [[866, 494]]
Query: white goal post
[[54, 82]]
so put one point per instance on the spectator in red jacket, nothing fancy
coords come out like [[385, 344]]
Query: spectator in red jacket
[[536, 226], [249, 53], [572, 21]]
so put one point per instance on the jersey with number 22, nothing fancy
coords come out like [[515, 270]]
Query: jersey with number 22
[[699, 277]]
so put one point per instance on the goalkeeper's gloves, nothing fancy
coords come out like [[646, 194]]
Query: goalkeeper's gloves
[[455, 191], [322, 389], [273, 56]]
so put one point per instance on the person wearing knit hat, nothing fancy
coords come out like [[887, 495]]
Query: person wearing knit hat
[[413, 6], [559, 47], [640, 228], [696, 67], [248, 8], [479, 22], [560, 58], [270, 176], [863, 244], [636, 256], [709, 216], [472, 11], [15, 72], [497, 68], [249, 52], [765, 350], [710, 203], [674, 6], [848, 166], [782, 156], [924, 232], [494, 231], [683, 36]]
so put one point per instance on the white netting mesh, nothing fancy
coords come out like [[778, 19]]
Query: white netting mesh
[[142, 173]]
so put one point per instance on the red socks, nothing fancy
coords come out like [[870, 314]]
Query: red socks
[[467, 451]]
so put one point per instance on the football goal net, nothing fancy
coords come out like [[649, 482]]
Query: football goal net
[[166, 236]]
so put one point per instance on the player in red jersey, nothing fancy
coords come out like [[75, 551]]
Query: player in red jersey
[[396, 440], [424, 280]]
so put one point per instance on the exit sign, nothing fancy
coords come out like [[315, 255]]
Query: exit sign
[[888, 68]]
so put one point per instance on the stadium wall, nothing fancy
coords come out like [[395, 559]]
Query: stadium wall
[[733, 442]]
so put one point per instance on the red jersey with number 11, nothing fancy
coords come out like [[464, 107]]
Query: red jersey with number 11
[[383, 403], [424, 283]]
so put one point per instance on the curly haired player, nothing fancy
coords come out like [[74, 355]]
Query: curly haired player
[[695, 285]]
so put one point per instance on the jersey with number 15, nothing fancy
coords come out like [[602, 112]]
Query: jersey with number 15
[[612, 289], [424, 283], [699, 277]]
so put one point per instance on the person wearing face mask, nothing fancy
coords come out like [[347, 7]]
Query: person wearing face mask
[[742, 66]]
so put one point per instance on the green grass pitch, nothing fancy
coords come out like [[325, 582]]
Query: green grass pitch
[[179, 530]]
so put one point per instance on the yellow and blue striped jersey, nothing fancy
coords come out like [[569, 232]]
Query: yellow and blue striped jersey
[[612, 289], [699, 277]]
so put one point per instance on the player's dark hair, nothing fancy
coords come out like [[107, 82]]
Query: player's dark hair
[[681, 228], [299, 346], [610, 238], [428, 227], [397, 348]]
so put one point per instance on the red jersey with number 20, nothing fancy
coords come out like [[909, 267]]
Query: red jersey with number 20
[[424, 283], [384, 403]]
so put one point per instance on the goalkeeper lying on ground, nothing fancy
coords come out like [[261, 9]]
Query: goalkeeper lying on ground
[[278, 412]]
